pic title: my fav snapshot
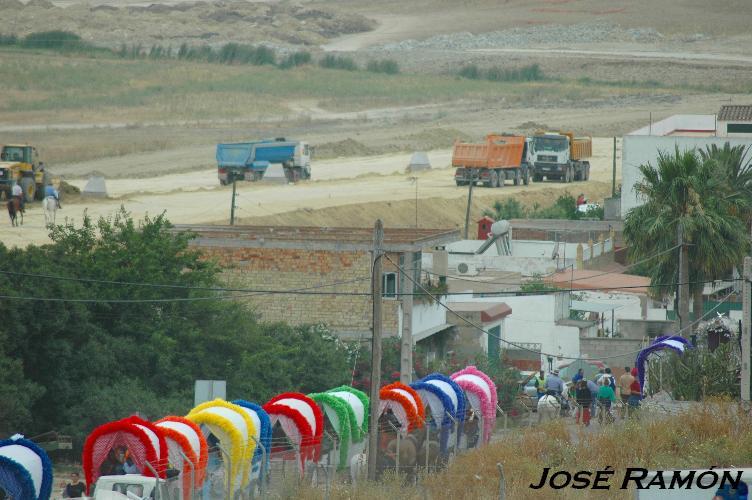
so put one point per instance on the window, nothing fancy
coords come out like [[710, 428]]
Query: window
[[739, 128], [389, 286]]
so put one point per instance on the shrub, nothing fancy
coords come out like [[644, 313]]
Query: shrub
[[470, 71], [388, 66], [331, 61], [8, 40], [234, 53], [55, 39], [529, 73], [296, 59]]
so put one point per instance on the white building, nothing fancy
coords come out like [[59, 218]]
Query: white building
[[733, 124]]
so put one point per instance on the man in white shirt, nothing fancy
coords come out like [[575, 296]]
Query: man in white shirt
[[17, 192]]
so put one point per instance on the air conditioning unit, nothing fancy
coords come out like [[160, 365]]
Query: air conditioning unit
[[465, 269]]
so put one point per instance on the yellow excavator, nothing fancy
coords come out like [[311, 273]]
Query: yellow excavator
[[19, 164]]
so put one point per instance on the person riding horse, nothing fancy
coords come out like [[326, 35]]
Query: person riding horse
[[17, 192], [555, 387]]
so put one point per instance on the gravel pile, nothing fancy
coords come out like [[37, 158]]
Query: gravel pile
[[532, 35]]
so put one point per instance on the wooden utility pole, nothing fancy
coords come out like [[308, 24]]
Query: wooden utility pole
[[613, 173], [376, 280], [406, 346], [469, 202], [683, 312], [746, 327], [232, 206]]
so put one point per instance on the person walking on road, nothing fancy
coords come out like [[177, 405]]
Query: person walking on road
[[625, 390], [584, 400]]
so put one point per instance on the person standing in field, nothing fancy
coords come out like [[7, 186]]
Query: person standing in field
[[625, 390]]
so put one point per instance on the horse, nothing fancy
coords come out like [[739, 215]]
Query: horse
[[549, 408], [49, 205], [14, 209]]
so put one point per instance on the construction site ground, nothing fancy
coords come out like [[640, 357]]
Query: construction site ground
[[608, 70]]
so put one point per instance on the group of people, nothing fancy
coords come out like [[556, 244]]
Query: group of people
[[118, 462], [592, 394]]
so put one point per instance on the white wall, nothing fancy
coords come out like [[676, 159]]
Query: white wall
[[533, 319], [705, 123], [425, 317], [639, 149]]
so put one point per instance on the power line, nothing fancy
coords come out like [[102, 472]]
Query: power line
[[540, 353]]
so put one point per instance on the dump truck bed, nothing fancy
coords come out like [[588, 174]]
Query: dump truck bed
[[498, 151], [582, 147]]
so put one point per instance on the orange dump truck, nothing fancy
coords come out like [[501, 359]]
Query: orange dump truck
[[492, 162], [561, 156]]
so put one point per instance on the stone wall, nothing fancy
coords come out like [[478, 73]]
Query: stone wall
[[292, 269], [615, 352]]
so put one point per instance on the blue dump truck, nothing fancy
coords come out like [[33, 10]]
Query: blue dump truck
[[250, 160]]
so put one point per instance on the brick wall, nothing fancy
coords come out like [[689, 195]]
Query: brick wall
[[286, 269]]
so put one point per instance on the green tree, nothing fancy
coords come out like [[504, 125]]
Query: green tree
[[111, 349], [683, 190], [507, 209]]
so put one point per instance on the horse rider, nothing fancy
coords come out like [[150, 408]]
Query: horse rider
[[51, 191], [540, 384], [17, 192], [555, 385]]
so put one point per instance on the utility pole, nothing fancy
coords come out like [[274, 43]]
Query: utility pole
[[683, 312], [232, 206], [613, 173], [406, 346], [469, 202], [746, 327], [376, 280], [415, 180]]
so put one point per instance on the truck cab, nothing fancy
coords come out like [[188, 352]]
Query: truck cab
[[133, 487], [559, 156]]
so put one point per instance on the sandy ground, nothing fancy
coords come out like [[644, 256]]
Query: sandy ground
[[196, 197]]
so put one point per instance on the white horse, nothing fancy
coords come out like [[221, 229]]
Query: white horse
[[549, 408], [49, 205]]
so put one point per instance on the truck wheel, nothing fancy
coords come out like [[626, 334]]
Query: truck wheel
[[517, 177], [460, 183], [587, 171], [526, 178], [493, 179], [537, 178], [29, 189]]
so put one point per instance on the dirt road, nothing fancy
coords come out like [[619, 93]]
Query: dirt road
[[196, 197]]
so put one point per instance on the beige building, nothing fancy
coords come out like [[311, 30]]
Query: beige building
[[329, 267]]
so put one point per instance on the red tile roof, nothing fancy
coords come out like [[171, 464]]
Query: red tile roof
[[597, 280], [735, 112]]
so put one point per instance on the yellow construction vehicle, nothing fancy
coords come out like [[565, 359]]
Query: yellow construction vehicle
[[19, 164]]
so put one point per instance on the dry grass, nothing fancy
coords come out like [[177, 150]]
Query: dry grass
[[716, 433]]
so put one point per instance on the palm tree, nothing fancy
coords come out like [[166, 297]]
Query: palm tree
[[733, 164], [685, 194]]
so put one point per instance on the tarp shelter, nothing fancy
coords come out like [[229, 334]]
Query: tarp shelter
[[675, 343], [301, 420], [481, 395], [144, 441], [446, 401], [232, 426], [405, 404], [419, 161], [25, 470], [95, 187], [185, 438], [346, 409], [263, 430]]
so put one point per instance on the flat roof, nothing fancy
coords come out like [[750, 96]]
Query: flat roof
[[316, 238], [489, 311], [600, 280]]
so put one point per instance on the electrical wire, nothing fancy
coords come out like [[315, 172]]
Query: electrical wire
[[540, 353]]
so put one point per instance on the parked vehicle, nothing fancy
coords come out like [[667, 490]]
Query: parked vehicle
[[19, 163], [561, 156], [250, 160], [498, 159], [133, 487]]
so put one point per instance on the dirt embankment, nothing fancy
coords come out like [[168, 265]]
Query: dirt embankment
[[198, 23]]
